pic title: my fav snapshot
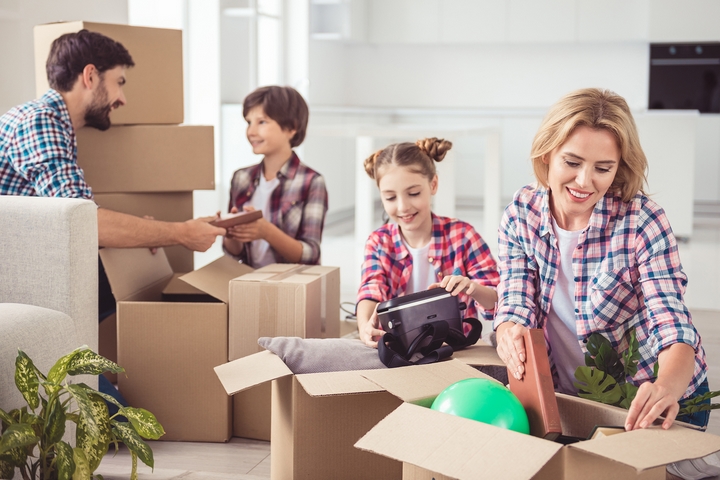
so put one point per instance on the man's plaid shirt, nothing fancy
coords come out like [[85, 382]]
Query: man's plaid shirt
[[627, 276], [38, 151], [455, 249], [298, 205]]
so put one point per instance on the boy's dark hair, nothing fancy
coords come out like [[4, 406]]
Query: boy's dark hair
[[70, 53], [284, 105]]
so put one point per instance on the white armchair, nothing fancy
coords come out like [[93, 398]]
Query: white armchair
[[48, 283]]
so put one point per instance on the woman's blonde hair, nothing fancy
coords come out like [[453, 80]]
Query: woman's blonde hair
[[597, 109], [420, 157]]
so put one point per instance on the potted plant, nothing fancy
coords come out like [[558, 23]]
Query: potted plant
[[604, 376], [31, 438]]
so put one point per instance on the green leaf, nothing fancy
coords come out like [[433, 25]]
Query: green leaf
[[87, 362], [95, 446], [604, 357], [594, 342], [64, 461], [5, 417], [16, 456], [17, 435], [26, 379], [58, 372], [631, 356], [7, 470], [628, 391], [144, 422], [55, 424], [82, 470], [105, 396], [699, 398], [596, 385], [130, 437], [656, 368], [86, 410]]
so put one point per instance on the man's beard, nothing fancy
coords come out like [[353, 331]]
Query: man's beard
[[97, 114]]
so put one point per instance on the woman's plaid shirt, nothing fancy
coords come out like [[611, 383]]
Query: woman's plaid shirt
[[627, 276], [298, 205], [455, 249], [38, 151]]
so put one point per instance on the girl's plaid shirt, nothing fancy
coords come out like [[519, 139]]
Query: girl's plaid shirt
[[455, 249], [627, 276]]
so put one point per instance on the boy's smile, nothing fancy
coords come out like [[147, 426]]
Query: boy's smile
[[266, 136]]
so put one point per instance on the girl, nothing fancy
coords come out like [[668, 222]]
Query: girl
[[419, 250]]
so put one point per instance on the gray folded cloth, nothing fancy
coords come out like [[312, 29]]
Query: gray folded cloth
[[314, 355]]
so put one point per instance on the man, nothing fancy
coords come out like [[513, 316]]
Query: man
[[38, 148]]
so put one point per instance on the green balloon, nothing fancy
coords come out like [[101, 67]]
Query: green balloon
[[485, 401]]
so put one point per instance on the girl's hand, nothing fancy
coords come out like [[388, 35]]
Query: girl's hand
[[456, 284], [651, 401], [371, 332], [511, 347]]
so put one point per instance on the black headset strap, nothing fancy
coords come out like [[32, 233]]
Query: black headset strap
[[434, 352]]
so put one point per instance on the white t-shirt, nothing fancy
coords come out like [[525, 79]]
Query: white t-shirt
[[562, 330], [423, 272], [260, 251]]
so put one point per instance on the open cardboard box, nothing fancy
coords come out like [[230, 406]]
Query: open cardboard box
[[438, 446], [168, 348], [278, 300], [318, 417]]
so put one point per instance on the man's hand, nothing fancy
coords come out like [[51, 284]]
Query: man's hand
[[198, 235]]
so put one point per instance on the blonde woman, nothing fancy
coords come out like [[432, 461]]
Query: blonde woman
[[587, 251]]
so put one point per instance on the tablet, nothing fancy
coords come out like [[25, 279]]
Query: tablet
[[228, 220]]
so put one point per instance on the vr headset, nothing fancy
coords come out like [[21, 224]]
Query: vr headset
[[421, 323]]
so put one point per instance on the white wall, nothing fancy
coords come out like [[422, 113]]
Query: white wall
[[498, 61], [17, 18]]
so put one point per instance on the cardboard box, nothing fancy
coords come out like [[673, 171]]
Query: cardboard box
[[440, 446], [302, 301], [286, 300], [167, 206], [147, 158], [168, 349], [154, 88], [317, 418]]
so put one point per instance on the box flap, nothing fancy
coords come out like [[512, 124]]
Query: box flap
[[130, 270], [456, 447], [480, 354], [274, 273], [419, 382], [337, 383], [652, 447], [214, 277], [249, 371], [178, 287]]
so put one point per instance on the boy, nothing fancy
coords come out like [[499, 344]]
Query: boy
[[291, 195]]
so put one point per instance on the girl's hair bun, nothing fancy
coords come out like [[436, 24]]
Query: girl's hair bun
[[435, 148], [369, 164]]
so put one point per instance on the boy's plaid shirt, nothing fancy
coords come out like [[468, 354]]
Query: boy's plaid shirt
[[455, 249], [627, 272], [298, 205], [38, 151]]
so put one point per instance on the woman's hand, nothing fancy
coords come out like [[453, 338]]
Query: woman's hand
[[677, 363], [511, 347], [651, 401], [456, 284], [370, 331]]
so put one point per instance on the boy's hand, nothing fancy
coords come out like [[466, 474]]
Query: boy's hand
[[372, 332]]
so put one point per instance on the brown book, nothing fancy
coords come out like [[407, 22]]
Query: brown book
[[231, 219], [536, 391]]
